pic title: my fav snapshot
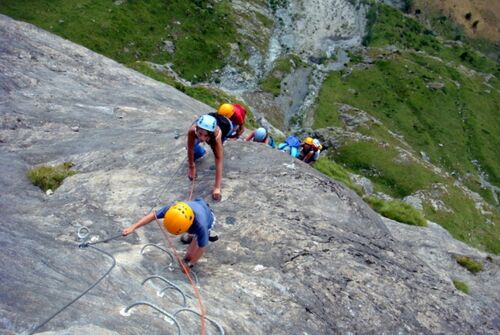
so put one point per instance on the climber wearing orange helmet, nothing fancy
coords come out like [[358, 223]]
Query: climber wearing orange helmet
[[237, 114], [192, 217], [310, 150], [212, 129]]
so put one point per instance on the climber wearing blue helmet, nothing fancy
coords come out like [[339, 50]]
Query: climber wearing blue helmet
[[260, 135], [212, 129]]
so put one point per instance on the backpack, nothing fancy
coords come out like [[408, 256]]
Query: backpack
[[291, 145], [224, 124]]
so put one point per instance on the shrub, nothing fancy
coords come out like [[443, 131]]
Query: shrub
[[461, 286], [469, 263], [50, 177], [397, 210]]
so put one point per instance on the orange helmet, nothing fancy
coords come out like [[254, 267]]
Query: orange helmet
[[308, 140], [178, 218], [226, 110]]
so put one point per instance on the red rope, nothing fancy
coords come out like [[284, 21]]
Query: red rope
[[185, 269], [192, 190]]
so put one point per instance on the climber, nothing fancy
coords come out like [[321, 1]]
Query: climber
[[237, 114], [260, 135], [310, 150], [212, 129], [194, 217]]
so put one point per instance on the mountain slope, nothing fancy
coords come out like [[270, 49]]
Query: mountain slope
[[298, 253], [417, 115]]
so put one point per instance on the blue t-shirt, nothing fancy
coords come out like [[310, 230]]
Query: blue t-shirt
[[202, 223]]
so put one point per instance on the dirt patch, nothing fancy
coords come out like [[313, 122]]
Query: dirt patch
[[479, 18]]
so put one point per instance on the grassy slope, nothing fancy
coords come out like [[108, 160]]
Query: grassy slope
[[135, 30], [456, 19], [387, 26], [454, 125], [281, 68]]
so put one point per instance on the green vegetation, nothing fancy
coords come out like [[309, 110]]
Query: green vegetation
[[408, 5], [400, 178], [267, 22], [326, 110], [447, 28], [397, 210], [128, 31], [461, 286], [446, 113], [282, 67], [465, 222], [390, 174], [426, 92], [469, 263], [354, 58], [210, 96], [50, 177], [145, 69], [388, 26], [275, 4], [438, 110], [337, 172]]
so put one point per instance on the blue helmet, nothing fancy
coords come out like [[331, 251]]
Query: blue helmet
[[207, 122], [260, 134]]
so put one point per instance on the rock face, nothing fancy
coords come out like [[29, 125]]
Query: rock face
[[316, 30], [297, 254], [316, 27]]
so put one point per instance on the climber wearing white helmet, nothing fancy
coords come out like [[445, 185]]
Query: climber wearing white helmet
[[212, 129]]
